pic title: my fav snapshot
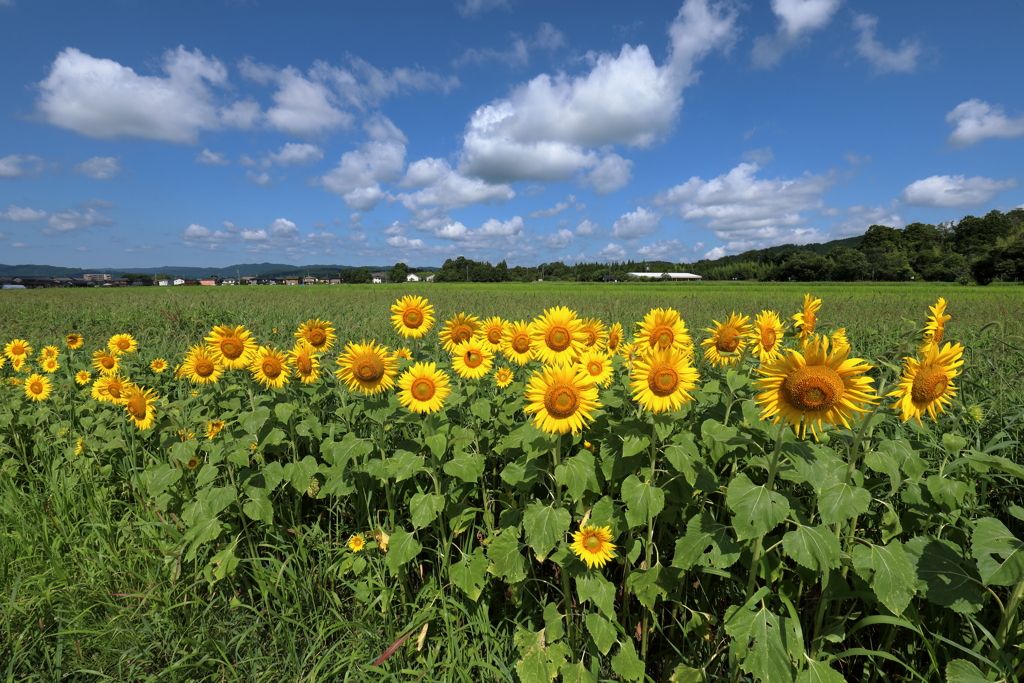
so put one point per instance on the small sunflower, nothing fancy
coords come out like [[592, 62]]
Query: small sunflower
[[306, 363], [503, 377], [318, 334], [767, 336], [3, 361], [232, 347], [111, 389], [50, 365], [403, 353], [728, 340], [138, 404], [49, 352], [839, 339], [213, 428], [516, 342], [935, 329], [20, 363], [557, 336], [493, 331], [356, 543], [470, 360], [813, 386], [201, 366], [122, 343], [461, 328], [37, 387], [598, 366], [614, 337], [270, 367], [79, 446], [158, 365], [192, 463], [82, 377], [74, 341], [423, 388], [808, 317], [367, 367], [662, 328], [186, 434], [927, 382], [105, 362], [412, 316], [562, 399], [593, 545], [17, 348], [662, 380], [597, 334]]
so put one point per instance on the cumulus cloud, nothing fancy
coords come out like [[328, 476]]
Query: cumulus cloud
[[612, 252], [586, 228], [471, 8], [484, 236], [400, 242], [973, 121], [20, 215], [18, 165], [261, 179], [639, 223], [359, 173], [212, 158], [66, 221], [554, 210], [953, 191], [662, 250], [558, 240], [857, 219], [302, 106], [610, 174], [254, 235], [447, 189], [796, 20], [100, 168], [283, 228], [884, 60], [296, 154]]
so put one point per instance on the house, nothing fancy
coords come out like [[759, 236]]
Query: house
[[290, 281], [142, 282], [97, 277], [335, 280], [178, 281], [266, 281], [430, 278], [229, 281], [309, 280], [249, 280], [609, 278], [671, 276], [163, 283], [379, 277], [191, 282], [208, 281], [412, 277]]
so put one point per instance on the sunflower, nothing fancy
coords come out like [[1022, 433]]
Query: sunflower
[[839, 339], [493, 330], [516, 342], [563, 399], [412, 316], [598, 366], [557, 336], [37, 387], [50, 365], [927, 382], [808, 317], [79, 446], [74, 341], [593, 545], [232, 347], [423, 388], [812, 386], [935, 329], [367, 367], [461, 328], [614, 337], [629, 353], [471, 360], [270, 367], [138, 403], [49, 352], [306, 363], [192, 463], [213, 428], [17, 348], [201, 366], [82, 377], [158, 365], [3, 361], [727, 341], [662, 380], [597, 333], [403, 353], [105, 362], [356, 543], [111, 389], [503, 377], [662, 328], [122, 343], [318, 334], [20, 363], [766, 336]]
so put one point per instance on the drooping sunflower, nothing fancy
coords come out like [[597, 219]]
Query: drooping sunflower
[[270, 367], [516, 343], [503, 377], [423, 388], [356, 543], [50, 365], [598, 366], [767, 336], [935, 329], [629, 353], [37, 387], [596, 334], [727, 341], [470, 360], [614, 337], [318, 334], [232, 347], [79, 446], [662, 380], [74, 341], [562, 399], [593, 545], [807, 318], [814, 386], [306, 363], [367, 367], [201, 366], [3, 361], [213, 428], [19, 364], [839, 339], [105, 362], [460, 328], [138, 403], [403, 353], [110, 389], [49, 352], [412, 316], [927, 382], [493, 331], [662, 328], [158, 365], [557, 336], [82, 377], [17, 348], [122, 343]]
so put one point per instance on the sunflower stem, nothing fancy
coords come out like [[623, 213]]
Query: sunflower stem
[[650, 532], [556, 454], [758, 550]]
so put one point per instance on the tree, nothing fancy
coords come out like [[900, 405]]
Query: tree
[[848, 265], [399, 272], [974, 236]]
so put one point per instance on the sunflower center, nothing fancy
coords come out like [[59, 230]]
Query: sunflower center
[[809, 321], [494, 335], [18, 350], [663, 380], [594, 368], [108, 362], [558, 338], [317, 337], [304, 364], [521, 343], [591, 338], [473, 359], [613, 342], [813, 387], [369, 368], [412, 318], [593, 543], [137, 406], [123, 344], [728, 340], [930, 383], [422, 389], [271, 367], [768, 339], [662, 337], [937, 337], [461, 333], [561, 401], [114, 391], [231, 348], [36, 387], [204, 368]]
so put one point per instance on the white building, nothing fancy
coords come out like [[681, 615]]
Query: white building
[[412, 277], [673, 276], [178, 281], [164, 283]]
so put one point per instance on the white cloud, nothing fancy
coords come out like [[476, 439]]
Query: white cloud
[[283, 228], [200, 233], [662, 250], [359, 173], [974, 120], [558, 240], [448, 189], [66, 221], [18, 165], [99, 168], [547, 38], [884, 60], [296, 154], [484, 236], [401, 242], [212, 158], [20, 215], [470, 8], [586, 228], [261, 179], [249, 162], [759, 156], [19, 245], [797, 18], [716, 253], [612, 252], [302, 107], [253, 235], [862, 216], [611, 173], [553, 211], [639, 223], [953, 191]]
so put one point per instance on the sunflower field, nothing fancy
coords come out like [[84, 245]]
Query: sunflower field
[[759, 495]]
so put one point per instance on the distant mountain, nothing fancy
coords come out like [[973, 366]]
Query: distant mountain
[[191, 272]]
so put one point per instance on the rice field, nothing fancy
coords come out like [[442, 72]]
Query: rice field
[[285, 483]]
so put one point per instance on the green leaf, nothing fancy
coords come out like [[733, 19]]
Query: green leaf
[[578, 475], [553, 627], [953, 443], [963, 671], [545, 526], [403, 465], [207, 474], [644, 584], [602, 631], [707, 543], [889, 572], [904, 454], [349, 448], [576, 673], [605, 513], [841, 501], [540, 663], [438, 444], [642, 499], [254, 421], [206, 529], [819, 672], [761, 641], [949, 492], [599, 590], [946, 578], [816, 548], [470, 574], [627, 664], [686, 459], [999, 553], [632, 445], [425, 508], [507, 560], [299, 473], [468, 467], [814, 462], [402, 548], [886, 464], [481, 408], [684, 674], [158, 479], [225, 561], [284, 411], [259, 507], [757, 509]]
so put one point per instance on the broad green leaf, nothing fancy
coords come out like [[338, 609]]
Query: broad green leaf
[[815, 547], [284, 411], [576, 673], [470, 574], [641, 499], [735, 380], [644, 584], [904, 454], [760, 641], [402, 548], [349, 448], [481, 408], [225, 561], [253, 421], [686, 459], [602, 631], [506, 559], [947, 491], [259, 507], [684, 674], [159, 479], [605, 513], [839, 502], [631, 445], [627, 664], [599, 590], [999, 553], [553, 627], [889, 572], [205, 530], [814, 462], [886, 464], [757, 509], [946, 578], [424, 508], [819, 672], [578, 475], [207, 474], [953, 443], [545, 526], [402, 465], [438, 444], [707, 543], [468, 467], [299, 473], [963, 671]]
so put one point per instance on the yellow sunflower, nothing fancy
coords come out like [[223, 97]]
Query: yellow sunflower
[[767, 336], [596, 332], [593, 545], [356, 543], [111, 389], [808, 317], [367, 367], [662, 328], [927, 383], [412, 316], [37, 387], [270, 367], [122, 343], [557, 337], [213, 428], [727, 341], [839, 339], [805, 389], [935, 329], [49, 352], [614, 337], [423, 388], [105, 362], [461, 328], [201, 366], [562, 398], [20, 363], [74, 341], [50, 365], [662, 380], [82, 377], [192, 463], [503, 377], [79, 446], [471, 360], [3, 361], [17, 348], [158, 365], [318, 334], [306, 363], [232, 347], [493, 331], [138, 403], [516, 342], [403, 353], [598, 366]]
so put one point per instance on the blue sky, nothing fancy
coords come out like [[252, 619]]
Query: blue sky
[[154, 133]]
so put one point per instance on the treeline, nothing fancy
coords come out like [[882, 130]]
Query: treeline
[[463, 269]]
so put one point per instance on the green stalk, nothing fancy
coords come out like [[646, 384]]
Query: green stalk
[[758, 552], [556, 454], [1009, 615], [650, 533]]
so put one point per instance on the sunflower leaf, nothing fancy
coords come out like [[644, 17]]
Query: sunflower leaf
[[578, 475], [425, 507], [602, 631], [599, 590], [707, 542], [470, 574], [759, 642], [816, 548], [644, 584], [468, 467], [506, 559], [947, 579], [757, 509], [999, 553], [840, 502], [545, 525], [889, 572], [627, 664], [819, 672], [402, 548], [643, 499]]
